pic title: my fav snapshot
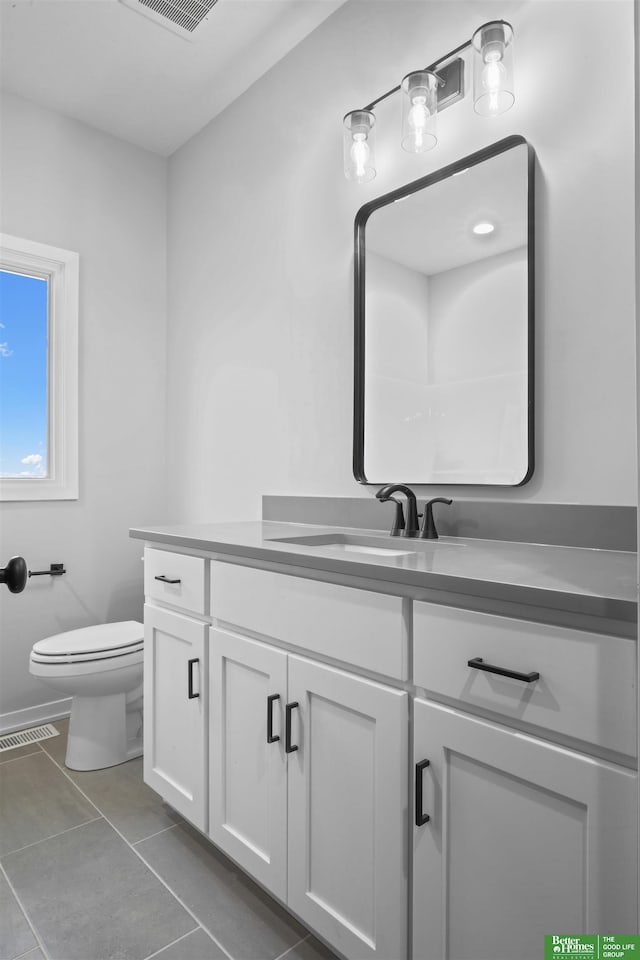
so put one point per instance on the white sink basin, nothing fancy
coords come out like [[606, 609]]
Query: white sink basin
[[375, 546], [359, 548]]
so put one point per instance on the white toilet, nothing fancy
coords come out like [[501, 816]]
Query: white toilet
[[101, 669]]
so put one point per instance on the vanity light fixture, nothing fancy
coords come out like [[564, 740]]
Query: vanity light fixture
[[359, 146], [426, 92], [419, 108], [493, 69]]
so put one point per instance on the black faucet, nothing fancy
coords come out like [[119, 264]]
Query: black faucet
[[428, 531], [400, 529]]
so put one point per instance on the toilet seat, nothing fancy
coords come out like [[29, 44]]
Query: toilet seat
[[51, 658], [49, 667], [106, 641]]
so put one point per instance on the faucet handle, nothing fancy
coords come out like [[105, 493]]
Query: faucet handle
[[398, 519], [428, 531]]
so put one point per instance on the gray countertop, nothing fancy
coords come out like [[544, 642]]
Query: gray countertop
[[573, 579]]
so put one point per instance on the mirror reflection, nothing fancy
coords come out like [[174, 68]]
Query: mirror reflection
[[443, 314]]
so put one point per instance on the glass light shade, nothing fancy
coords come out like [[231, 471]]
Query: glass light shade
[[359, 146], [493, 68], [419, 108]]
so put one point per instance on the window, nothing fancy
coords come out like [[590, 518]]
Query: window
[[38, 371]]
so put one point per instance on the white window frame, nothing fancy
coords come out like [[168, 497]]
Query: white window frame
[[61, 269]]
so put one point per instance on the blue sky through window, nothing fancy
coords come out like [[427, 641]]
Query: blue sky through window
[[23, 375]]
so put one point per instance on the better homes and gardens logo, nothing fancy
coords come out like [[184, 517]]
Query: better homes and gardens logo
[[576, 947], [592, 948]]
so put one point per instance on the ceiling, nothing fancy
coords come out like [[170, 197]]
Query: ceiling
[[110, 67], [431, 231]]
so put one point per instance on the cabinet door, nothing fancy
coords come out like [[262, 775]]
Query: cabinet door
[[524, 839], [248, 817], [347, 783], [175, 711]]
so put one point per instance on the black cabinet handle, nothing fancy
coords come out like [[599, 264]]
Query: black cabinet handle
[[191, 695], [288, 746], [421, 818], [270, 701], [166, 579], [478, 664]]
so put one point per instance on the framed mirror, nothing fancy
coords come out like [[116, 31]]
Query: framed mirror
[[444, 272]]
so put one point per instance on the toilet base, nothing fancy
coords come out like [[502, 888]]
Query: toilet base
[[103, 732], [134, 748]]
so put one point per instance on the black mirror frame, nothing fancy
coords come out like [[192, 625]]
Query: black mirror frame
[[362, 216]]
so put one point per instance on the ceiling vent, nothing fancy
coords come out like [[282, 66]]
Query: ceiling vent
[[182, 17]]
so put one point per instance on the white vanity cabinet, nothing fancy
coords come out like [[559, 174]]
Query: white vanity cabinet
[[347, 793], [175, 683], [309, 765], [248, 801], [524, 837], [358, 754], [585, 687]]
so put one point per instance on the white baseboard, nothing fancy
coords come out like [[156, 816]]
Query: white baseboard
[[34, 716]]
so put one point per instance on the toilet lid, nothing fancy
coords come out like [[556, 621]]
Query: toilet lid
[[110, 639]]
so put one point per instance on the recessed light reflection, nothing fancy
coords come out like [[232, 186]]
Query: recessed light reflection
[[483, 228]]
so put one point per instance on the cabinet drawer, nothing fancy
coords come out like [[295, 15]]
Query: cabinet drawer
[[175, 578], [586, 687], [356, 626]]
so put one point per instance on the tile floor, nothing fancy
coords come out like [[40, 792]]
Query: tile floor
[[94, 866]]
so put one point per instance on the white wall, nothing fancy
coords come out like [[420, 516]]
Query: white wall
[[261, 224], [66, 184]]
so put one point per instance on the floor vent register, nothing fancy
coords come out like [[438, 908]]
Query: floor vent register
[[32, 735]]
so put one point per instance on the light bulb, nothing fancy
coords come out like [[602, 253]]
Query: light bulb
[[360, 154], [359, 146], [493, 51], [493, 77], [418, 119], [419, 107]]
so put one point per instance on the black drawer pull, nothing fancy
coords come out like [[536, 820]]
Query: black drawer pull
[[288, 746], [191, 695], [270, 701], [421, 818], [478, 664], [166, 579]]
